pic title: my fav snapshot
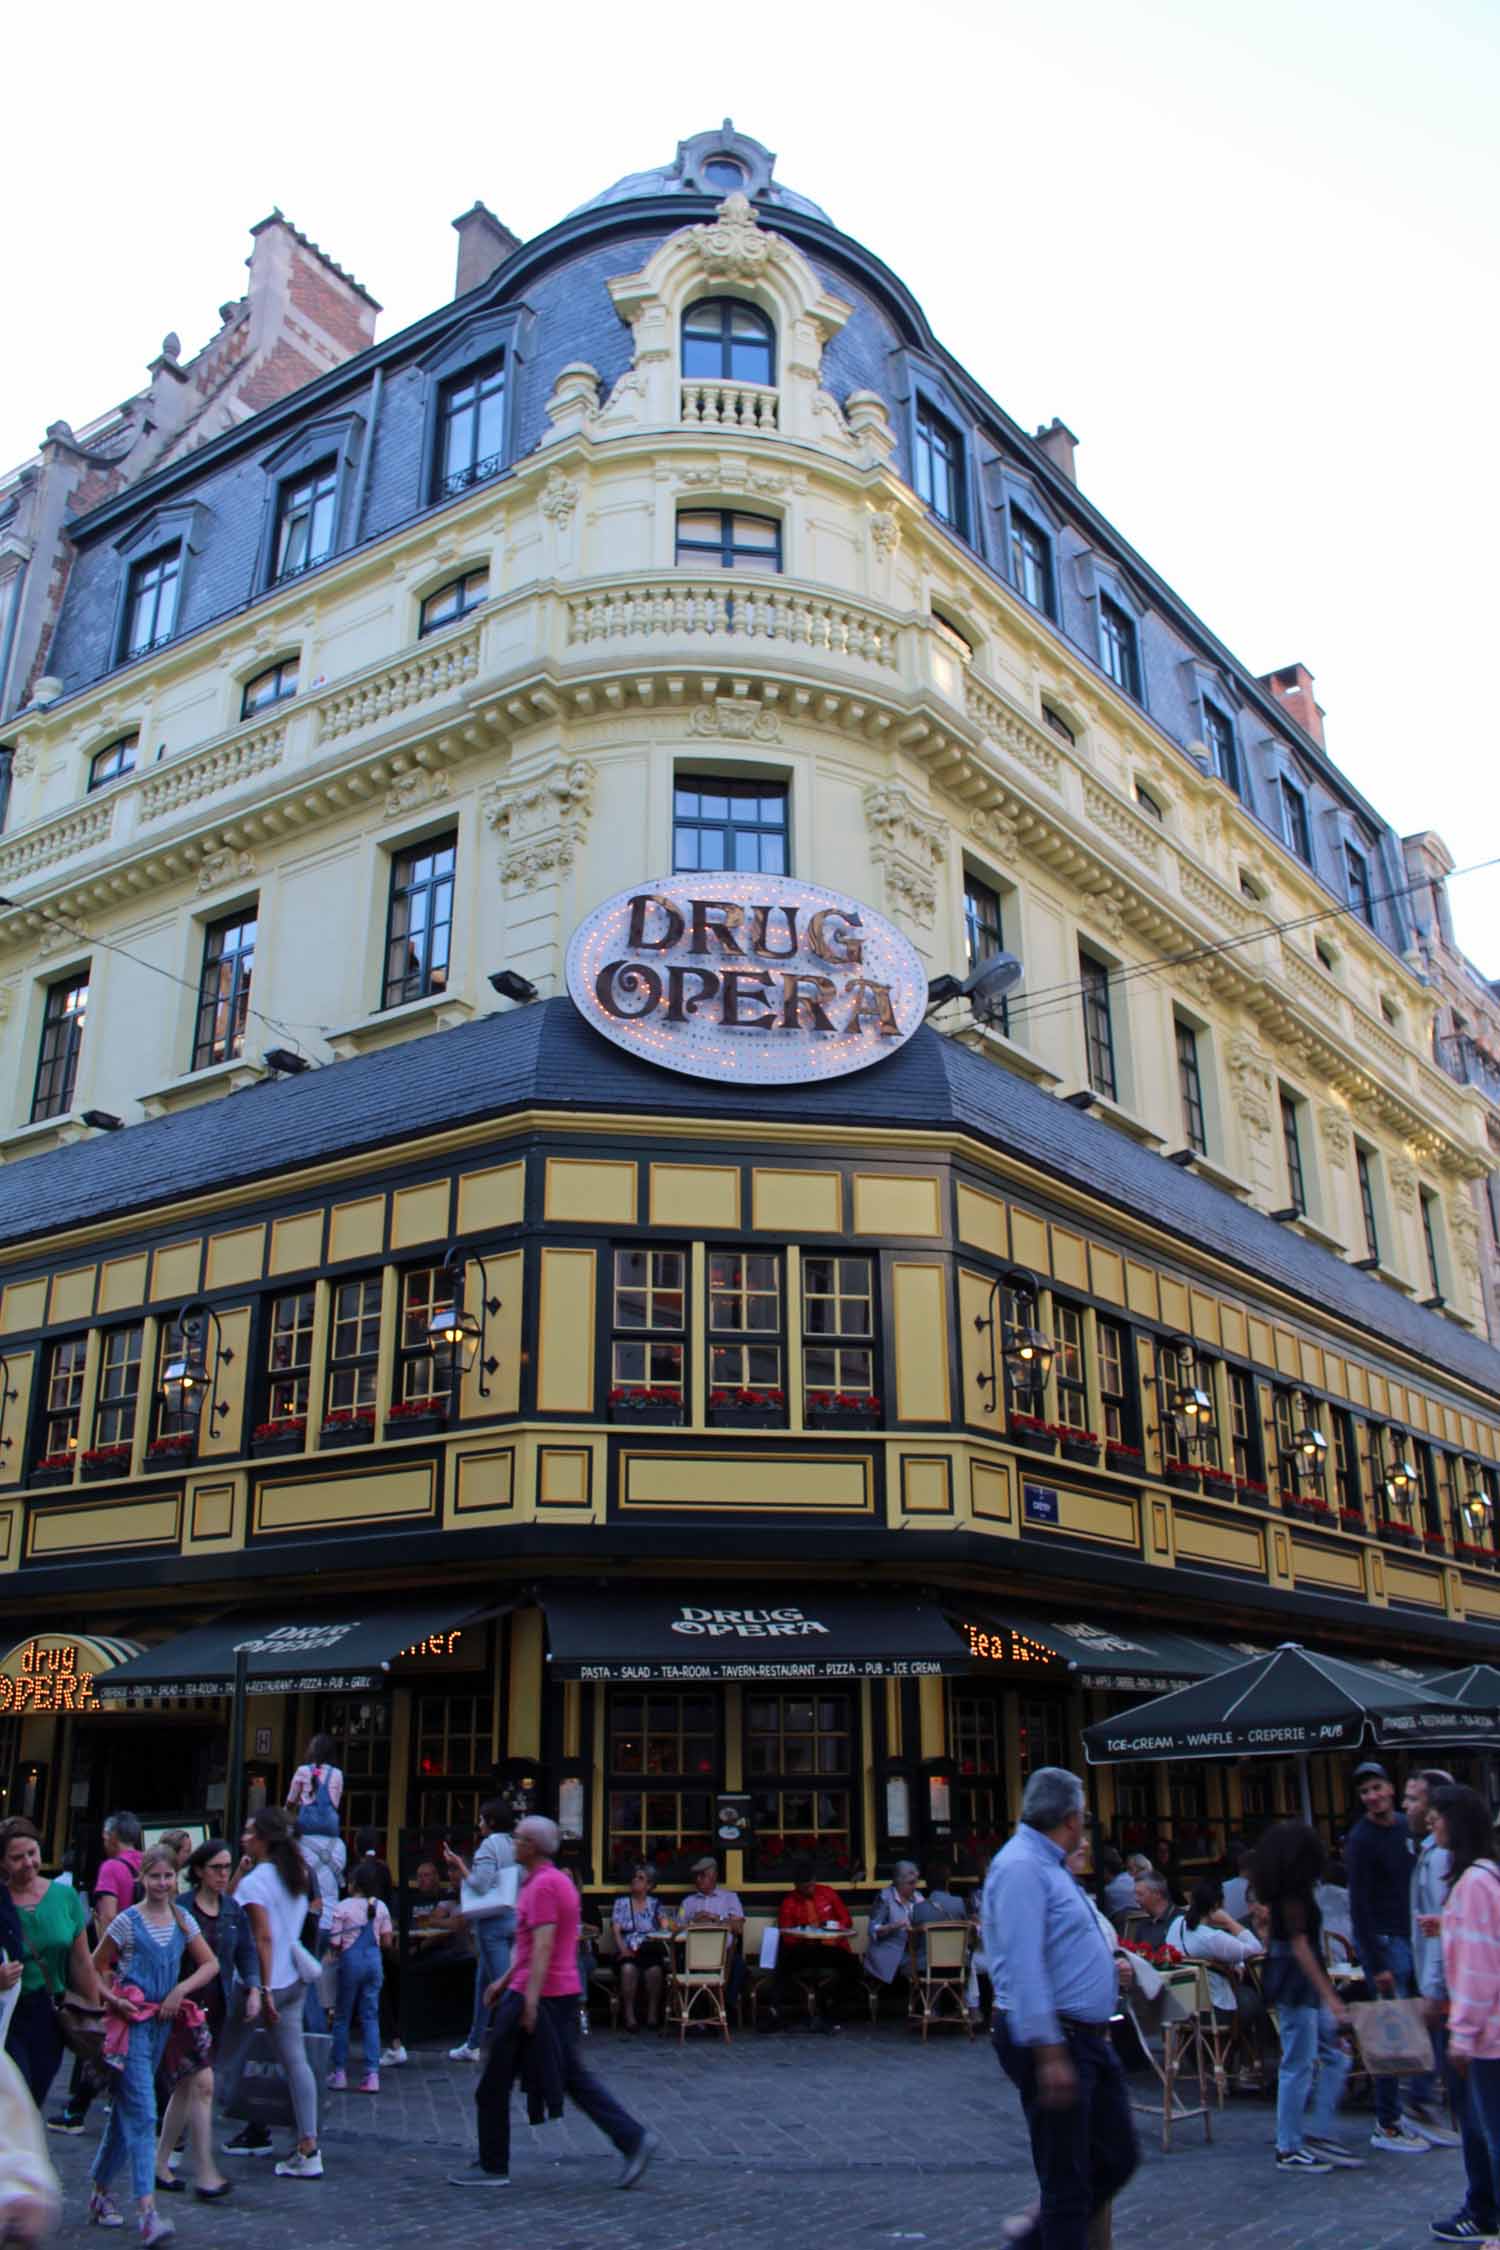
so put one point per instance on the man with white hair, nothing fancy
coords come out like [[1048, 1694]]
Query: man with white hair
[[539, 1999], [1054, 1977]]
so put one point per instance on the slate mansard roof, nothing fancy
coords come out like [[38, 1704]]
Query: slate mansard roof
[[546, 1057]]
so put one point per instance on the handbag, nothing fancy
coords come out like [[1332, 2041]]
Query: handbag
[[1393, 2040], [255, 2086], [81, 2030]]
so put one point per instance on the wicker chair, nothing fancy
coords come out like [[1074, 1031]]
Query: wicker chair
[[937, 1956], [698, 1986]]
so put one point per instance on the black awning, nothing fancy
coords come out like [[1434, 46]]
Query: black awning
[[291, 1652], [1127, 1658], [734, 1633]]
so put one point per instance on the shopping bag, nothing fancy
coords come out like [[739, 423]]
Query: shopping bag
[[770, 1946], [1393, 2040], [255, 2087]]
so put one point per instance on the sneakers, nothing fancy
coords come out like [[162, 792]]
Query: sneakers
[[1398, 2140], [393, 2056], [337, 2082], [1334, 2152], [300, 2167], [465, 2053], [1301, 2160], [477, 2177], [370, 2083], [154, 2228], [66, 2122], [251, 2140], [639, 2157], [103, 2210], [1423, 2120], [1460, 2228]]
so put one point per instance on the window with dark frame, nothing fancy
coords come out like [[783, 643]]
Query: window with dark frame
[[224, 989], [799, 1765], [648, 1348], [168, 1420], [725, 340], [744, 1320], [1098, 1030], [1432, 1499], [1361, 898], [424, 1291], [1190, 1086], [306, 509], [1428, 1202], [947, 631], [1150, 804], [1046, 1736], [729, 826], [938, 466], [1364, 1173], [984, 932], [1346, 1482], [1291, 1141], [1247, 1446], [353, 1344], [420, 923], [1031, 562], [276, 684], [361, 1729], [1117, 1389], [1284, 1415], [1058, 724], [455, 1738], [1070, 1365], [288, 1368], [1295, 829], [113, 763], [62, 1397], [838, 1325], [471, 428], [727, 539], [151, 600], [1218, 737], [976, 1732], [61, 1044], [1119, 649], [119, 1384], [453, 601], [663, 1761]]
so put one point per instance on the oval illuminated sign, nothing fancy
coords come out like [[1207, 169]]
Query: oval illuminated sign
[[756, 980]]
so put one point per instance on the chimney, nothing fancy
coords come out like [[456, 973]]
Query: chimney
[[483, 245], [1060, 446], [1292, 687]]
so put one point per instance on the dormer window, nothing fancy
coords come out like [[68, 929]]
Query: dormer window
[[112, 763], [727, 341], [273, 685], [724, 173], [471, 437], [1119, 651], [1031, 562], [151, 608], [939, 466], [1296, 829], [305, 520]]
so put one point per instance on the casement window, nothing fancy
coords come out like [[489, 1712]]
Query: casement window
[[274, 685], [62, 1397], [1291, 1142], [664, 1762], [648, 1349], [361, 1729], [224, 989], [62, 1042], [725, 340], [939, 467], [1357, 876], [984, 932], [353, 1344], [151, 600], [455, 1736], [424, 1291], [453, 601], [288, 1365], [1284, 1413], [1428, 1203], [1218, 739], [1059, 725], [168, 1420], [744, 1320], [1364, 1166], [1346, 1482], [1046, 1735], [799, 1764], [420, 921], [1119, 648], [114, 762], [976, 1733], [1070, 1365], [1098, 1029], [733, 826], [306, 515], [1150, 804], [1431, 1491], [1247, 1448], [119, 1384], [727, 539], [1190, 1087], [471, 427], [1296, 830], [838, 1324], [1031, 562], [947, 631], [1117, 1391]]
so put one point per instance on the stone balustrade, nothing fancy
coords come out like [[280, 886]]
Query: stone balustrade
[[730, 406], [733, 609]]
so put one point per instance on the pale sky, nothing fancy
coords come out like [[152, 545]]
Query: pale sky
[[1248, 253]]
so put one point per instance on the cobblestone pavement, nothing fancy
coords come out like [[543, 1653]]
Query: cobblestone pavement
[[777, 2143]]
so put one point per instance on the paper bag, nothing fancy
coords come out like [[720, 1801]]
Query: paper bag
[[1393, 2040]]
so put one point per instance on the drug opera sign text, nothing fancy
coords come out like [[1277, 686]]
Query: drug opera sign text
[[750, 979]]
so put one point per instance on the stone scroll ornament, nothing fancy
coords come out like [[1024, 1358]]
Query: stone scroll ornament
[[753, 980]]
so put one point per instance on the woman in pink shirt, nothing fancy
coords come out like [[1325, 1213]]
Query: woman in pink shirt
[[1461, 1826]]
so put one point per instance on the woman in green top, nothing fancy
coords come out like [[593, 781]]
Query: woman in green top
[[55, 1951]]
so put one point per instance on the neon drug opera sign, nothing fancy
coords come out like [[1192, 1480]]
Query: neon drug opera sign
[[750, 979]]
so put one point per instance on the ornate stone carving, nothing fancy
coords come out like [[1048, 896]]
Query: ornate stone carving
[[1338, 1138], [187, 781], [1251, 1074], [736, 719], [23, 764], [541, 822], [574, 399], [734, 247], [997, 831], [908, 844], [885, 532], [223, 866], [1402, 1176], [559, 499], [410, 791], [910, 889], [1124, 826]]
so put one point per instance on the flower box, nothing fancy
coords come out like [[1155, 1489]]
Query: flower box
[[1219, 1483], [747, 1409], [172, 1452], [417, 1417], [650, 1405], [288, 1434], [1080, 1448], [1127, 1460], [52, 1469], [347, 1425], [1350, 1519], [842, 1410], [1400, 1535], [1484, 1557], [105, 1461], [1309, 1511], [1033, 1433], [1434, 1542], [1181, 1475], [1251, 1489]]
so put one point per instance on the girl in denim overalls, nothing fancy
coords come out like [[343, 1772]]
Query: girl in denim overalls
[[361, 1928], [154, 1947], [317, 1788]]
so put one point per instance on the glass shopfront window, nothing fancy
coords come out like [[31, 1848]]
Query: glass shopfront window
[[361, 1729], [799, 1767], [1044, 1733], [455, 1739], [664, 1762], [976, 1732]]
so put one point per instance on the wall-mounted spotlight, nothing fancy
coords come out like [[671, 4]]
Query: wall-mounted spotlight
[[287, 1061], [511, 985], [103, 1120]]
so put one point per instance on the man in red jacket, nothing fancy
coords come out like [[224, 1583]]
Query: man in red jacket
[[826, 1961]]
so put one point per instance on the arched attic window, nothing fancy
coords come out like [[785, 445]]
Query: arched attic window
[[725, 340]]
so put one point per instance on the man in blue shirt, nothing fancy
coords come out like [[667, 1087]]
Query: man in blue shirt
[[1055, 1983]]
